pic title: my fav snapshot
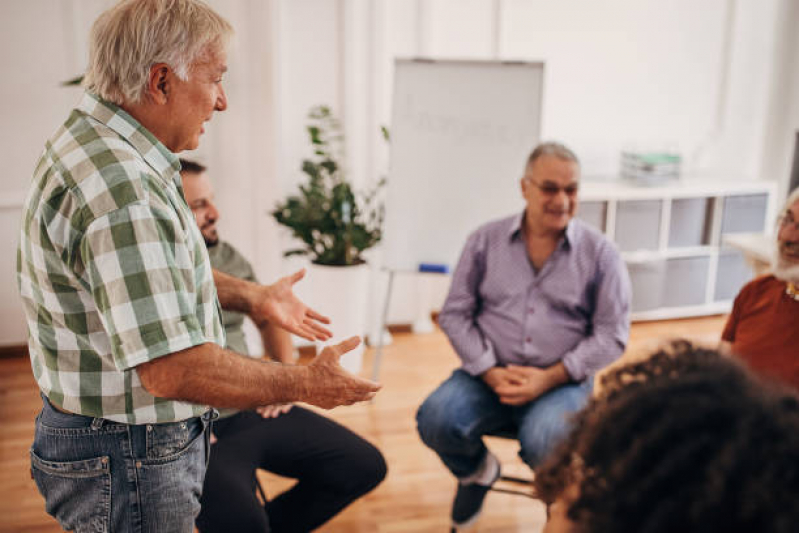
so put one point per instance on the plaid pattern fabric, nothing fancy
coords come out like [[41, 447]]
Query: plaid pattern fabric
[[112, 268]]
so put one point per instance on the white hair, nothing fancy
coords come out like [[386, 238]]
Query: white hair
[[131, 37], [782, 269], [793, 197]]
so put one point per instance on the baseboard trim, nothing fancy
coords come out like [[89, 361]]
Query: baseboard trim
[[14, 350]]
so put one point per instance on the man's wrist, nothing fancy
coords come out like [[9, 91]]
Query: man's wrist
[[235, 294], [251, 295], [283, 383], [557, 375], [304, 379]]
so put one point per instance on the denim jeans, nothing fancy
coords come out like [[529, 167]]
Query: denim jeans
[[454, 418], [97, 475]]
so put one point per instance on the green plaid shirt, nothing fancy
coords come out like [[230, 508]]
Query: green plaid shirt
[[112, 268]]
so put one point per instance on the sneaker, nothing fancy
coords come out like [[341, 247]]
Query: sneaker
[[469, 498]]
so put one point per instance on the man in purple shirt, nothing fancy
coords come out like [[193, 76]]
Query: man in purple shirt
[[539, 303]]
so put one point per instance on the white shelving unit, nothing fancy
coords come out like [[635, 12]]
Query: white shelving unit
[[671, 238]]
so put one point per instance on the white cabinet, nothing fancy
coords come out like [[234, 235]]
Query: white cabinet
[[670, 236]]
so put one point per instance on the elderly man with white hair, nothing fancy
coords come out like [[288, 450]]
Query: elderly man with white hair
[[763, 328], [122, 305]]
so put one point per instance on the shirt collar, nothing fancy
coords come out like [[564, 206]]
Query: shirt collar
[[517, 223], [159, 157]]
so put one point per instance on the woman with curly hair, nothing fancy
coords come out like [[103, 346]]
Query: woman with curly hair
[[685, 441]]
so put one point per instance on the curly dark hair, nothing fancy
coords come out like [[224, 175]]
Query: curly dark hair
[[686, 441]]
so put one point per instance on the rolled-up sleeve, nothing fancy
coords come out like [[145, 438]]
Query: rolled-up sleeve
[[139, 264], [458, 317], [610, 323]]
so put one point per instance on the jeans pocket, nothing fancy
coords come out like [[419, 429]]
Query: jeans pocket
[[76, 493], [165, 442]]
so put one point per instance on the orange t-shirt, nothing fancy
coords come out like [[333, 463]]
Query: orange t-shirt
[[764, 329]]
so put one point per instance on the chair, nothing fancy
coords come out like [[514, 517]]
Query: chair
[[512, 484]]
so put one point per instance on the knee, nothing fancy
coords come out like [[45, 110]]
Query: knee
[[432, 420], [532, 455], [366, 473], [538, 442], [374, 469]]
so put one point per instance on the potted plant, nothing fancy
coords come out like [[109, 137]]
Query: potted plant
[[336, 225]]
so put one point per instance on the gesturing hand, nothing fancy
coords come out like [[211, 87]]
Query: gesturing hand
[[277, 303], [330, 385]]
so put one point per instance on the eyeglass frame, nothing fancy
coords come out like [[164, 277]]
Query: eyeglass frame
[[783, 221], [551, 191]]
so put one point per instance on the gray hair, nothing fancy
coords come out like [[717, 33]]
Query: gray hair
[[793, 197], [131, 37], [554, 149]]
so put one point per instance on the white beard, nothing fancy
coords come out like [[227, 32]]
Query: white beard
[[784, 270]]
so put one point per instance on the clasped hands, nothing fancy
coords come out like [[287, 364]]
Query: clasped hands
[[517, 385]]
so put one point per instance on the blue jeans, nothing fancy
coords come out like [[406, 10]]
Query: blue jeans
[[97, 475], [454, 418]]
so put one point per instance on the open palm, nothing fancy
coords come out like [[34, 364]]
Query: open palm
[[278, 304]]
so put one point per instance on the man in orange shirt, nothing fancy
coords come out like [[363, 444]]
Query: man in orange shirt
[[763, 329]]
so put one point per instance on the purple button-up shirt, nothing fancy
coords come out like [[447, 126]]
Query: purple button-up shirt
[[500, 311]]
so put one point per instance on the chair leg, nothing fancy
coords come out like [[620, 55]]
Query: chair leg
[[514, 480]]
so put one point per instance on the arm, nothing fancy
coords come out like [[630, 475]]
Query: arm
[[275, 340], [278, 347], [170, 351], [209, 374], [271, 303], [277, 343], [610, 321], [731, 327], [458, 316]]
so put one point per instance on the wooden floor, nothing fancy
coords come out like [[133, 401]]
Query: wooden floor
[[418, 491]]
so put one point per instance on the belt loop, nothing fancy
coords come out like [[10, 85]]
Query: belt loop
[[97, 423], [210, 415]]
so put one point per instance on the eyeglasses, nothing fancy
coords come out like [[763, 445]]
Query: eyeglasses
[[549, 189], [788, 220]]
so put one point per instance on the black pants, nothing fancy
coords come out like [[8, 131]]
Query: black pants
[[333, 467]]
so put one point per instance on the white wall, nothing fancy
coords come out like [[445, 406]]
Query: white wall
[[716, 78], [39, 48], [783, 108]]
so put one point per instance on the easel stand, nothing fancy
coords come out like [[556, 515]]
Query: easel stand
[[383, 322], [422, 324]]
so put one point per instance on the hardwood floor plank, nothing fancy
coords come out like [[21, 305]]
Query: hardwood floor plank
[[417, 493]]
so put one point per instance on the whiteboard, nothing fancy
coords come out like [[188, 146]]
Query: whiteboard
[[461, 132]]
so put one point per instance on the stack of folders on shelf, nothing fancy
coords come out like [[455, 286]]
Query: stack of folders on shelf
[[650, 168]]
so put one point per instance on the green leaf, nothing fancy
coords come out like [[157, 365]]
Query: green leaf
[[77, 80], [297, 251], [333, 221]]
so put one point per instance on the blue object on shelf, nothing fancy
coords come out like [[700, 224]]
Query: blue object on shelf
[[434, 267]]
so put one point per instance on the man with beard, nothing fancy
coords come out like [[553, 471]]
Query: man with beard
[[332, 469], [763, 328]]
